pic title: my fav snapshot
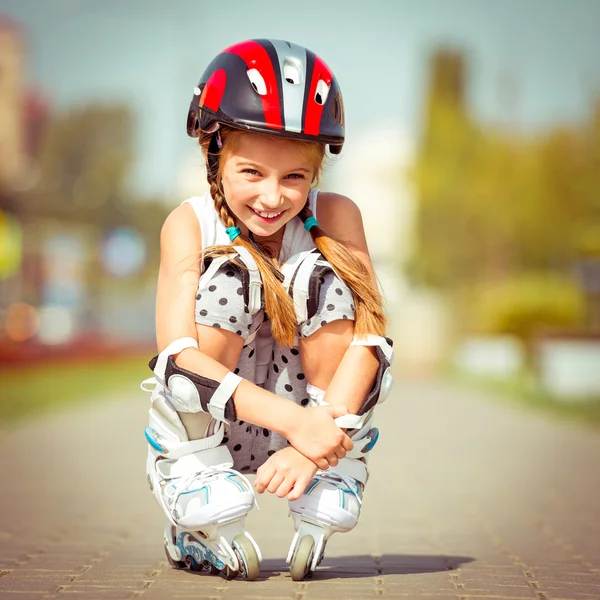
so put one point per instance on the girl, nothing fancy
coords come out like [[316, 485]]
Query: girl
[[270, 330]]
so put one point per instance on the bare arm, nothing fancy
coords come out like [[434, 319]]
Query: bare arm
[[340, 217]]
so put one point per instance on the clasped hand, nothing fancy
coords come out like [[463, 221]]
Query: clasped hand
[[317, 443]]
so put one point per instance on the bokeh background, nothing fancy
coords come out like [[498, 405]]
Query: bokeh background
[[473, 150]]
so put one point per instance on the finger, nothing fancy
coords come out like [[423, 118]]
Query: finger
[[347, 443], [298, 489], [332, 459], [284, 489], [337, 410], [322, 464], [340, 453], [275, 482], [263, 477]]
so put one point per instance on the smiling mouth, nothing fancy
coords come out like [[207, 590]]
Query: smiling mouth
[[267, 216]]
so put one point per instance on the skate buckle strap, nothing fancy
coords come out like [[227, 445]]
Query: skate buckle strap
[[222, 395], [182, 484]]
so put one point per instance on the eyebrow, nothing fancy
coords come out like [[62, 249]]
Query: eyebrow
[[248, 163]]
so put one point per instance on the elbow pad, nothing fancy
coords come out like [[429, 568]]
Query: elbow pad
[[192, 393]]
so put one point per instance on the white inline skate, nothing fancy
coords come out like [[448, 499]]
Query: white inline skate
[[205, 500], [331, 503]]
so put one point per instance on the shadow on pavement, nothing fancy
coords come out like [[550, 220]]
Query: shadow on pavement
[[350, 567]]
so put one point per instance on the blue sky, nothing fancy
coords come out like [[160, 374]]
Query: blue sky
[[150, 54]]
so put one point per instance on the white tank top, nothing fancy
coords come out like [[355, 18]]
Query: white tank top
[[295, 239]]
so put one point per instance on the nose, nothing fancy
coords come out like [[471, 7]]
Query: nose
[[270, 194]]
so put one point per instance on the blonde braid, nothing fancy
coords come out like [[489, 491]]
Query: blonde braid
[[369, 317], [278, 304]]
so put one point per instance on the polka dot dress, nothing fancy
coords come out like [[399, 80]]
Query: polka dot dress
[[221, 304]]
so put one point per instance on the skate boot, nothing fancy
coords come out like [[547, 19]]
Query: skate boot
[[331, 503], [205, 500]]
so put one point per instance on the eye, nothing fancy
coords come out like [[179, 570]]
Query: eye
[[251, 171], [292, 72], [321, 92], [295, 176], [257, 81]]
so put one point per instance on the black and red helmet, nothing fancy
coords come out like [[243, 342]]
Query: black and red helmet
[[270, 86]]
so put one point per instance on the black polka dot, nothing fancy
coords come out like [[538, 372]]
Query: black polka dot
[[245, 468], [352, 307], [266, 432], [294, 351], [212, 288], [265, 317], [250, 326], [252, 457], [308, 323], [198, 296], [330, 307], [246, 310], [236, 371], [237, 447], [338, 291], [288, 387], [239, 332], [241, 422], [240, 291], [273, 355], [232, 319], [223, 301], [225, 439], [248, 429], [270, 452], [216, 325], [251, 354], [230, 273], [323, 323], [284, 358], [276, 368], [344, 316], [300, 376], [304, 402], [203, 312]]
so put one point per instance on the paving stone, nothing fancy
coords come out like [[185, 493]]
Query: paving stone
[[462, 503]]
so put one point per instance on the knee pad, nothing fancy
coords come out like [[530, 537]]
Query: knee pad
[[192, 393], [303, 277], [384, 381], [243, 263]]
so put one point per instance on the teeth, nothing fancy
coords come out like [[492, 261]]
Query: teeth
[[268, 215]]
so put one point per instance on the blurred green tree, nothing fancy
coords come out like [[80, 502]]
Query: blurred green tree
[[493, 207]]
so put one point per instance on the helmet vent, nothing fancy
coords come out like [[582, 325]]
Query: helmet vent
[[321, 92], [292, 72], [257, 81]]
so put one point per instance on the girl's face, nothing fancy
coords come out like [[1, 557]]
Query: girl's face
[[266, 182]]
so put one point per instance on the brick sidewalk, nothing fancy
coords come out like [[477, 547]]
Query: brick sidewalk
[[468, 498]]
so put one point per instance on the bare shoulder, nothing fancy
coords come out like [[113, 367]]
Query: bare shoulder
[[181, 227], [339, 216], [180, 237]]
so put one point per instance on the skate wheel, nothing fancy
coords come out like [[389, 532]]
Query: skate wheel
[[176, 564], [247, 557], [192, 564], [214, 570], [302, 558]]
